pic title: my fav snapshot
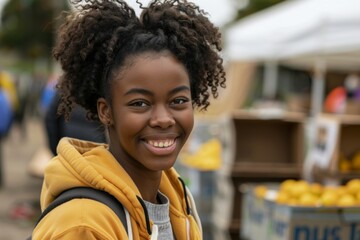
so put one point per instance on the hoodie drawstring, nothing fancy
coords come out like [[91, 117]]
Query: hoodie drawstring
[[188, 209], [153, 232], [147, 219]]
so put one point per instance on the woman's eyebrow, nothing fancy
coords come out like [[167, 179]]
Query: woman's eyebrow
[[149, 93], [139, 91], [179, 89]]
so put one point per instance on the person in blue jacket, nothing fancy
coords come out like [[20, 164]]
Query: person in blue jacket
[[6, 113]]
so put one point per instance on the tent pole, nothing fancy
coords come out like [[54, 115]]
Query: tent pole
[[318, 87], [270, 79]]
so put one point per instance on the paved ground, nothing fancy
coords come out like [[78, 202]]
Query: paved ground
[[19, 190]]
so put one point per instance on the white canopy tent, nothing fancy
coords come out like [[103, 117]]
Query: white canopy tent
[[310, 34], [299, 31]]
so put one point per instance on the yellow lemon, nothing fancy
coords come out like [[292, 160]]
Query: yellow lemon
[[207, 157], [355, 161], [345, 165], [308, 199], [357, 197], [316, 189], [328, 198], [353, 186], [346, 200], [260, 191], [341, 190], [299, 188], [282, 198], [287, 185]]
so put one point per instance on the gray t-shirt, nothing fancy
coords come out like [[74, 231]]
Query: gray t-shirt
[[159, 214]]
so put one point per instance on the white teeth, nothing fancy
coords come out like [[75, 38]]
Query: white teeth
[[161, 144]]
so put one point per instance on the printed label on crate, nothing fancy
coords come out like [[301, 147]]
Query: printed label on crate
[[291, 223], [326, 232], [256, 217], [313, 231]]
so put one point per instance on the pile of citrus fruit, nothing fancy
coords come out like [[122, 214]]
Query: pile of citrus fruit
[[349, 164], [302, 193], [207, 157]]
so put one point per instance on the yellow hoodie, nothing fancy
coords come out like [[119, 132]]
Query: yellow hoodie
[[82, 163]]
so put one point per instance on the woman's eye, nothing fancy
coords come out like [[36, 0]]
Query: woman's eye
[[139, 104], [180, 101]]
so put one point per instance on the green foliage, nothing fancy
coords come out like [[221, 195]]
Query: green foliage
[[255, 6], [27, 27]]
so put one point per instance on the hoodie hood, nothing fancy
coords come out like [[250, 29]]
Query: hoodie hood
[[88, 164]]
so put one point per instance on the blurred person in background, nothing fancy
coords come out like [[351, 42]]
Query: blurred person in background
[[9, 101], [37, 84], [23, 84], [56, 127], [78, 126], [8, 106], [48, 93], [6, 113]]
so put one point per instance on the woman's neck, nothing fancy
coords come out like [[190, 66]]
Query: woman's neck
[[148, 182], [148, 186]]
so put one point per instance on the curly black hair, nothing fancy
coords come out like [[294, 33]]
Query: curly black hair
[[96, 38]]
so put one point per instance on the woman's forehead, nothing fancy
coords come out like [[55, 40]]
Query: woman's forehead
[[138, 61]]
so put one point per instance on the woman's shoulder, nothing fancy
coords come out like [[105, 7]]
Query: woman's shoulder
[[82, 219]]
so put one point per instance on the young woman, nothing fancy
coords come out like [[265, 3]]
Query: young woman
[[141, 77]]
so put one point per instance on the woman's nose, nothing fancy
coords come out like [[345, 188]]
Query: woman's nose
[[161, 117]]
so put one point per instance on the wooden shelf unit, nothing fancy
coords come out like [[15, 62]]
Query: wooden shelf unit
[[346, 143], [269, 148]]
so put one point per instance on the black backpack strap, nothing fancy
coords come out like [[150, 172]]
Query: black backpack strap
[[90, 193]]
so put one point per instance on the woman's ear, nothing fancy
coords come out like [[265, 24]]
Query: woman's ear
[[104, 111]]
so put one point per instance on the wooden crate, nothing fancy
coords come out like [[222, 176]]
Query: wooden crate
[[267, 140]]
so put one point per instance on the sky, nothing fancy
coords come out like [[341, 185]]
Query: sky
[[2, 2], [220, 11]]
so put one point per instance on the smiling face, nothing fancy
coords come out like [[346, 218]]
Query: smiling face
[[150, 114]]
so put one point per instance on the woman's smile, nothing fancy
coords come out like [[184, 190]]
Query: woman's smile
[[161, 147]]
